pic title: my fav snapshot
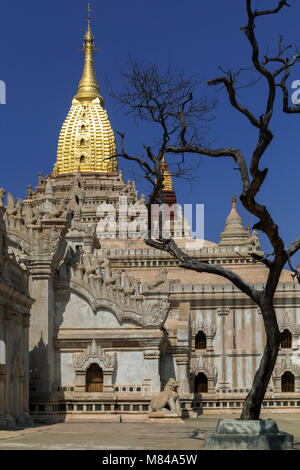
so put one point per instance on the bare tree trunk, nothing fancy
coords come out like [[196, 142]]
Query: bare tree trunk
[[254, 399]]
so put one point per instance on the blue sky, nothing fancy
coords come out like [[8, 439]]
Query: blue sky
[[41, 65]]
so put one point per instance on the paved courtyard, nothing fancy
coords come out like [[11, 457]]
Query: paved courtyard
[[127, 436]]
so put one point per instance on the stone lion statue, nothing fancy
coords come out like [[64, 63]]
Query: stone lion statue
[[167, 400]]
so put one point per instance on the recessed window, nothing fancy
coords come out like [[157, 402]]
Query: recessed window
[[200, 340], [286, 339], [288, 382]]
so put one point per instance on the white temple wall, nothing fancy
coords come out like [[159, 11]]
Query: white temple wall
[[67, 371], [131, 368], [77, 312]]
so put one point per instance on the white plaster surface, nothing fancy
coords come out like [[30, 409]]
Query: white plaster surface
[[131, 368]]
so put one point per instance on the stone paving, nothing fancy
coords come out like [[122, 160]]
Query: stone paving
[[127, 436]]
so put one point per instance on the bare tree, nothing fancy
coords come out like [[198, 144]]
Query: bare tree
[[144, 98]]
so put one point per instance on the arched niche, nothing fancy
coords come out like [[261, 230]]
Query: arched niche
[[94, 356]]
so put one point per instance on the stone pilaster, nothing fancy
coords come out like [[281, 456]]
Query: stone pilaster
[[42, 324], [151, 357], [222, 319], [108, 386], [2, 394], [182, 371]]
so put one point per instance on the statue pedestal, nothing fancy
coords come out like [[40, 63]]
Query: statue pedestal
[[248, 435], [162, 417]]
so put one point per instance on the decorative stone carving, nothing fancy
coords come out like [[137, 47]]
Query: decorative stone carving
[[287, 324], [156, 314], [2, 196], [198, 366], [167, 401], [94, 352], [202, 366], [111, 295], [283, 366], [158, 281], [94, 355], [208, 330]]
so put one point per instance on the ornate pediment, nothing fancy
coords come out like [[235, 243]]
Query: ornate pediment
[[200, 365], [284, 365], [287, 324], [209, 330], [94, 353]]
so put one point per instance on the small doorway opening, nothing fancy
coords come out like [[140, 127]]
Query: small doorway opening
[[201, 383], [94, 379]]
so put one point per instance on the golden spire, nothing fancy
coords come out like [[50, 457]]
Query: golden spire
[[88, 88], [167, 183], [86, 139]]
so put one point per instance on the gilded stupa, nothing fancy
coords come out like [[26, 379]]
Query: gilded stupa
[[167, 183], [86, 139]]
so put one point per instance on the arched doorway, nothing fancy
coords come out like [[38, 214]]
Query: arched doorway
[[94, 379], [201, 383], [288, 382]]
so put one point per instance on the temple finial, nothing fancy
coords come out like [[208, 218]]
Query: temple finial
[[89, 16], [88, 88], [163, 165]]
